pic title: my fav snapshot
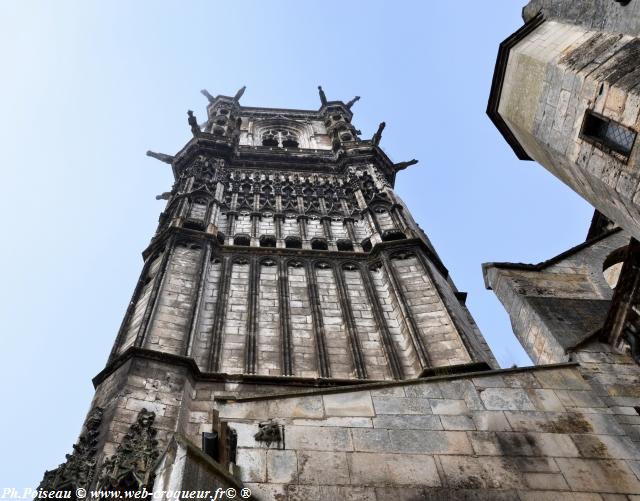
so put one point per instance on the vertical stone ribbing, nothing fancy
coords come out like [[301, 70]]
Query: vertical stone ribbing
[[285, 318], [302, 227], [354, 342], [387, 340], [153, 298], [318, 325], [218, 325], [201, 278], [201, 344], [252, 317], [326, 224], [407, 316]]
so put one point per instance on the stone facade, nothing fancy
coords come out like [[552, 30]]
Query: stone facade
[[573, 60], [294, 332]]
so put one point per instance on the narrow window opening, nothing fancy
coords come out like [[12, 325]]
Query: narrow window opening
[[292, 242], [608, 135], [267, 241], [389, 235], [344, 245], [242, 239], [319, 244]]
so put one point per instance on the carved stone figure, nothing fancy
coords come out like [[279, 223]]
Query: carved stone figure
[[168, 159], [206, 94], [378, 135], [403, 165], [131, 467], [352, 102], [323, 97], [269, 432], [193, 123], [239, 93]]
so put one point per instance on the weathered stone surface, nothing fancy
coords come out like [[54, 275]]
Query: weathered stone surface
[[348, 404], [395, 469]]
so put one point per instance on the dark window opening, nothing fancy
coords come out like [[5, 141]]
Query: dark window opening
[[607, 134], [319, 244], [366, 245], [193, 225], [344, 245], [289, 143], [270, 141], [242, 239], [292, 242], [267, 241], [390, 235]]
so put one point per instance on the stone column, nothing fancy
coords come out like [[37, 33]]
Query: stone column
[[201, 281], [158, 285], [285, 318], [351, 231], [278, 219], [252, 316]]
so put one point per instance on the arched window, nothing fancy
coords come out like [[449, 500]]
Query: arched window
[[280, 138]]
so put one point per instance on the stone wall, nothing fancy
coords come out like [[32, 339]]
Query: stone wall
[[553, 76], [553, 306], [534, 434]]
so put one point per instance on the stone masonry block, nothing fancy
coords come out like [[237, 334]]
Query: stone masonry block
[[282, 466], [396, 405], [595, 475], [348, 404], [318, 438], [315, 467], [506, 399], [384, 469]]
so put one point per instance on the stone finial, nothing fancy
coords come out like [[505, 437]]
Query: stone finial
[[323, 97], [206, 94], [403, 165], [352, 102], [193, 122], [239, 93], [168, 159], [378, 135]]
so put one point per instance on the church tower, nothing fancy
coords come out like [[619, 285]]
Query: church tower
[[284, 261]]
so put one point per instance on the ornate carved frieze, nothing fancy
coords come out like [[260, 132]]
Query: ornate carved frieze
[[131, 467]]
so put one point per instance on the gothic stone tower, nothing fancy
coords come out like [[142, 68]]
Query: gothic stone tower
[[283, 260]]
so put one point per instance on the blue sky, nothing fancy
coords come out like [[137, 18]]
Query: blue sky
[[87, 87]]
